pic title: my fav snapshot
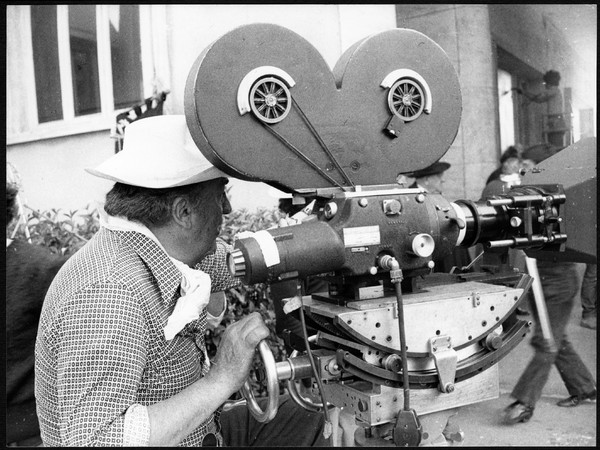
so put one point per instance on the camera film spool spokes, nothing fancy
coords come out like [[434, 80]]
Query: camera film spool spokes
[[270, 100]]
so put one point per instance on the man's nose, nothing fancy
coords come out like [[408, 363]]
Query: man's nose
[[226, 206]]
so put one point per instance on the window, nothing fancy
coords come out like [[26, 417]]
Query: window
[[506, 109], [45, 50], [87, 59], [125, 54]]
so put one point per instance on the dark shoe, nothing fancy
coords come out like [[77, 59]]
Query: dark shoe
[[589, 322], [517, 412], [576, 400]]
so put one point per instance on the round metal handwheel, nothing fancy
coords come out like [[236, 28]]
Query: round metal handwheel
[[272, 387], [406, 99], [270, 100]]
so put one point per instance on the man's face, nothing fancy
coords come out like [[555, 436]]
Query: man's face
[[511, 165], [434, 183], [208, 217]]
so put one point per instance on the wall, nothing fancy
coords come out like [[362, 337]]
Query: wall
[[52, 170], [463, 31]]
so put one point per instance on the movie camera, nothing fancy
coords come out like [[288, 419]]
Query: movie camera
[[391, 340]]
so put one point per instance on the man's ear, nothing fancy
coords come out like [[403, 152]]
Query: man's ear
[[181, 212]]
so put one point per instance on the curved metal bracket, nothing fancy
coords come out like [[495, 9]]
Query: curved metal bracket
[[243, 97], [445, 359]]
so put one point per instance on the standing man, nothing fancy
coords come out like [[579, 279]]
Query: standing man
[[553, 98], [560, 285], [430, 178], [120, 352]]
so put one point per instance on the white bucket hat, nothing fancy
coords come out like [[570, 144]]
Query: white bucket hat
[[158, 152]]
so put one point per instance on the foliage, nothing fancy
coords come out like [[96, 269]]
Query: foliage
[[65, 233], [62, 232]]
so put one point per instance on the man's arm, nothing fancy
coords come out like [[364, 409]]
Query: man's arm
[[173, 419], [101, 350], [537, 98], [102, 356]]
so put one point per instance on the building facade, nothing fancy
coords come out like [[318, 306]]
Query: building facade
[[71, 69]]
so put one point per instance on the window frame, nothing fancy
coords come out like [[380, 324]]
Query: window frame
[[152, 24]]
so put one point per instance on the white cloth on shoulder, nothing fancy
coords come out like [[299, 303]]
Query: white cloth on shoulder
[[195, 284]]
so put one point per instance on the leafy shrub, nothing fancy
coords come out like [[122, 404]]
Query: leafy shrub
[[65, 233]]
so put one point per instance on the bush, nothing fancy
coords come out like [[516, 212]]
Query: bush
[[65, 233]]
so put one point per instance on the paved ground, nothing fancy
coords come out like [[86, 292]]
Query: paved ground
[[550, 425]]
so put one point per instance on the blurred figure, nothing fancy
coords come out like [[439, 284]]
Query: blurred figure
[[589, 297], [29, 271], [560, 287], [504, 177], [510, 163], [430, 178], [555, 108]]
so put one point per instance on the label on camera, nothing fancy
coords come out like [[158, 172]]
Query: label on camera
[[268, 247], [362, 236]]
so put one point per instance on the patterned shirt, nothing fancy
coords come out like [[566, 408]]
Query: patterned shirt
[[101, 350]]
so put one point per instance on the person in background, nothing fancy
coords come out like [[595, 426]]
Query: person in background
[[29, 271], [507, 175], [560, 287], [510, 163], [430, 178], [553, 98], [589, 297], [120, 352]]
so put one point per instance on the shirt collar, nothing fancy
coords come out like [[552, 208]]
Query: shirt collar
[[147, 246]]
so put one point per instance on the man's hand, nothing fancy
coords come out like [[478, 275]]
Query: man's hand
[[236, 349], [172, 419]]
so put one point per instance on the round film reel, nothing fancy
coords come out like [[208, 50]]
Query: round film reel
[[270, 100], [406, 99]]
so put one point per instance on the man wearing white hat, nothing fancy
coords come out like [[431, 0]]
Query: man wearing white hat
[[120, 352]]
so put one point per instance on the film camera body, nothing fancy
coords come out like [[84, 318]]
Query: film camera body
[[390, 339]]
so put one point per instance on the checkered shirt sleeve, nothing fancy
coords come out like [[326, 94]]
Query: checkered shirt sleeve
[[137, 426], [215, 265]]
